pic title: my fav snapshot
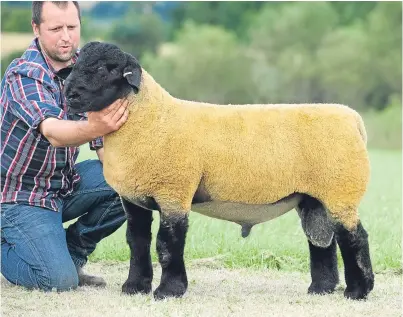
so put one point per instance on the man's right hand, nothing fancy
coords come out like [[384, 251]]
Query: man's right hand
[[62, 133], [109, 119]]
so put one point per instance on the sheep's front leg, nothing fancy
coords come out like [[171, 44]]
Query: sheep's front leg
[[170, 248], [138, 237]]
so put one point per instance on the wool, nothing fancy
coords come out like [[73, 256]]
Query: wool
[[242, 163], [251, 154]]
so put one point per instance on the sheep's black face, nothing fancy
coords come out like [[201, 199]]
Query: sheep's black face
[[102, 74]]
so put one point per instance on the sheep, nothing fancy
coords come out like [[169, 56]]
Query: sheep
[[242, 163]]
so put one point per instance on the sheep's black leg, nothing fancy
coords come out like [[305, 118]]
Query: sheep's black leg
[[322, 246], [324, 273], [170, 247], [357, 263], [138, 237]]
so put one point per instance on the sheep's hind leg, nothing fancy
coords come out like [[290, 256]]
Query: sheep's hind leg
[[322, 246], [357, 263], [170, 247], [138, 237], [324, 272]]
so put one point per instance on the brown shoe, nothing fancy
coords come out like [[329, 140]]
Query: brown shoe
[[89, 280]]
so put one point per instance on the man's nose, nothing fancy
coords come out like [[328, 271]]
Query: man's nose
[[65, 34]]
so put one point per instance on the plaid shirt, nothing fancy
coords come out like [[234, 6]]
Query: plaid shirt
[[34, 172]]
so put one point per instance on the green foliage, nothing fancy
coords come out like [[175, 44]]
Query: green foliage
[[92, 31], [309, 57], [205, 63], [138, 33], [351, 11], [15, 19], [344, 66], [285, 42], [384, 26], [384, 128], [367, 57], [234, 16]]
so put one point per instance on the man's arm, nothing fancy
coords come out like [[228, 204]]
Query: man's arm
[[36, 106], [62, 133]]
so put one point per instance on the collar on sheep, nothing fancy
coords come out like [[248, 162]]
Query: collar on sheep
[[127, 73]]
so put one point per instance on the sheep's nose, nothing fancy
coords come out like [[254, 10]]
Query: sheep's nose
[[71, 96]]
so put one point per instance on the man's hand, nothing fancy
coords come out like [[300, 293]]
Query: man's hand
[[62, 133], [109, 119]]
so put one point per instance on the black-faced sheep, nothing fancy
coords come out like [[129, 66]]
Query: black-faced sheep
[[242, 163]]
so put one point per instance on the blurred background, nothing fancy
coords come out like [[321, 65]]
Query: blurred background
[[253, 52], [262, 52]]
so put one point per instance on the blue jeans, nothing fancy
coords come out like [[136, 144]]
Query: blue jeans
[[37, 252]]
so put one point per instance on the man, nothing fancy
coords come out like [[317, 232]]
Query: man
[[41, 186]]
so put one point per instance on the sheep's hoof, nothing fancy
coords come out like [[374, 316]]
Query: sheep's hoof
[[321, 288], [171, 289], [356, 294], [136, 287], [360, 288]]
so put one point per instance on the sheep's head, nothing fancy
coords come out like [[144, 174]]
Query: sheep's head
[[102, 74]]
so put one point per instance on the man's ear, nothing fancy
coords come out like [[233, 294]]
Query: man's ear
[[35, 28], [132, 73]]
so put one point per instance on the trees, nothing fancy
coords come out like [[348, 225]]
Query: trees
[[15, 19], [140, 31], [205, 63], [314, 55], [233, 52]]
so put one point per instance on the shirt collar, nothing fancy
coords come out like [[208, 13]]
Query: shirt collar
[[35, 45]]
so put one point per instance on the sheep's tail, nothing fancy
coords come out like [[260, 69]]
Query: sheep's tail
[[361, 128]]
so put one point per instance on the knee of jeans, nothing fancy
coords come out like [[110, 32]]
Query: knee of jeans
[[62, 278]]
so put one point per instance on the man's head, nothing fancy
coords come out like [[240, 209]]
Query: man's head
[[102, 74], [57, 26]]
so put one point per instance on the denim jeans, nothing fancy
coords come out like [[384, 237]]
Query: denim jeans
[[37, 252]]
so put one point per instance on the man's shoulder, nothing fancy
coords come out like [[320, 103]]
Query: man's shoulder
[[25, 68], [29, 65]]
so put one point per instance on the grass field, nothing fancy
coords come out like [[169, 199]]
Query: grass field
[[266, 274], [213, 291], [280, 243]]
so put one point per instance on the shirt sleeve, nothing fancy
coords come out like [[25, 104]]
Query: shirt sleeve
[[97, 144], [31, 102]]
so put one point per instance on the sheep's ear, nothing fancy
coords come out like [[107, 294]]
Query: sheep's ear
[[133, 77]]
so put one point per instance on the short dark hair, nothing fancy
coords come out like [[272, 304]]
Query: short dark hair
[[37, 9]]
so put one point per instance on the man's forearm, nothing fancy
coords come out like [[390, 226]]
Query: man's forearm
[[63, 133]]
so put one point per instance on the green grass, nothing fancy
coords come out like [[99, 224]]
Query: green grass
[[281, 243]]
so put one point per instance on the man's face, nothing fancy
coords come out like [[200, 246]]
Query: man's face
[[59, 31]]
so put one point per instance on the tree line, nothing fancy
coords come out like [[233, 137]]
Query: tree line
[[256, 52]]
